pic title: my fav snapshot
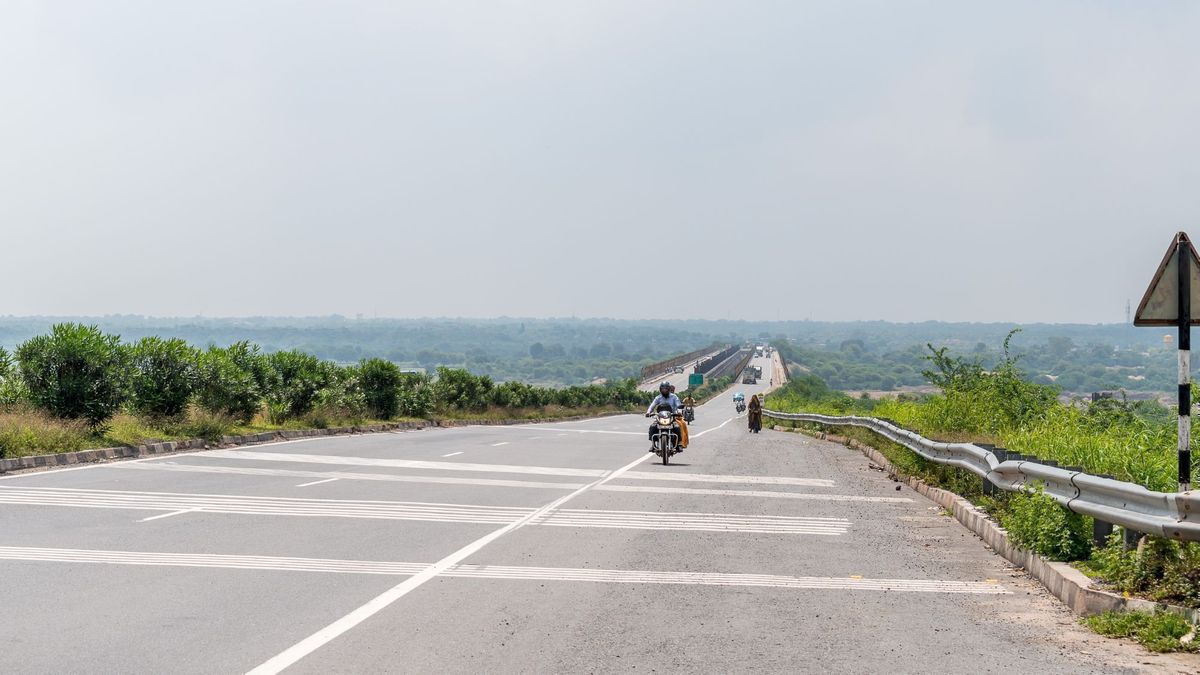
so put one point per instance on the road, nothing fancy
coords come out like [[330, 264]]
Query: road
[[678, 379], [539, 548]]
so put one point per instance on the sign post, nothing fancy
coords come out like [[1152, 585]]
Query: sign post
[[1168, 302]]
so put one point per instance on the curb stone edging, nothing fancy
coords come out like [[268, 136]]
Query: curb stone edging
[[169, 447], [1074, 588]]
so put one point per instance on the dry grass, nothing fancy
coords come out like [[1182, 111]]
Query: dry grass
[[29, 432]]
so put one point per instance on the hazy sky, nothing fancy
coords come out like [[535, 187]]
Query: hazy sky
[[895, 160]]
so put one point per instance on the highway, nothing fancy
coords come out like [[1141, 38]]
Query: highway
[[533, 548], [680, 380]]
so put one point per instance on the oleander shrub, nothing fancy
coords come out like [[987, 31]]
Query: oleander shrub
[[165, 375], [232, 381], [1036, 522], [75, 372], [380, 382]]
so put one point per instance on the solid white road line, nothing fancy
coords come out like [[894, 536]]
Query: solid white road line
[[510, 468], [757, 494], [488, 482], [453, 454], [563, 432], [322, 637], [334, 566], [701, 433], [400, 478], [400, 463], [168, 515], [716, 478], [317, 482], [416, 511]]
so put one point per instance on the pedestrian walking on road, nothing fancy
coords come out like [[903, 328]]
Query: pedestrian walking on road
[[755, 416]]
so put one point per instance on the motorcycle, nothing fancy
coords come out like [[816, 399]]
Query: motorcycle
[[666, 440], [741, 406], [689, 414]]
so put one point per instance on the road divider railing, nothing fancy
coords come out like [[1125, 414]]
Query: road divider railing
[[1175, 515], [663, 367]]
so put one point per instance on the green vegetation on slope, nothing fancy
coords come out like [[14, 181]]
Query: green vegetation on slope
[[1131, 441]]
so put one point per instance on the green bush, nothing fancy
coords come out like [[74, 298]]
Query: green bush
[[1158, 632], [232, 381], [297, 380], [457, 389], [165, 375], [380, 382], [416, 395], [12, 387], [75, 372], [341, 400], [1037, 523], [1163, 569]]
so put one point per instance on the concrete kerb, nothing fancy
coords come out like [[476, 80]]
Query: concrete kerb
[[1074, 588]]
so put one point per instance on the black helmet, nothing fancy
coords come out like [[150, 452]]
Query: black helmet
[[665, 385]]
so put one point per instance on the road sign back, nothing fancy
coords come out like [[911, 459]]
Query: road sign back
[[1160, 305]]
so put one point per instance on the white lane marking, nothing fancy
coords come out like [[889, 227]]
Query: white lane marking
[[418, 511], [168, 515], [317, 482], [322, 637], [334, 566], [496, 445], [488, 482], [296, 473], [510, 468], [717, 478], [563, 432], [453, 454], [401, 463], [757, 494], [701, 433]]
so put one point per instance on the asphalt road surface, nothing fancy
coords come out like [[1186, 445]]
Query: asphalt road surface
[[538, 548], [680, 380]]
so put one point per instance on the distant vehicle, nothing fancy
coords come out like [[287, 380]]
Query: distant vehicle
[[679, 370]]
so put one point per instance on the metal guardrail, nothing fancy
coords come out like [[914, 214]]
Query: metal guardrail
[[655, 369], [1175, 515]]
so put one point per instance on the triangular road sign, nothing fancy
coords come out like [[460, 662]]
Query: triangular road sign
[[1160, 305]]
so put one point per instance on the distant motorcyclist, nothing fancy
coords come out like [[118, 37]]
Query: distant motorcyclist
[[667, 397], [689, 410]]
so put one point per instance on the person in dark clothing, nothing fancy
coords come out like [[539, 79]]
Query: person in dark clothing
[[755, 416]]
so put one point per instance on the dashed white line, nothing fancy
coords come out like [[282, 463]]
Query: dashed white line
[[317, 482], [496, 445], [453, 454]]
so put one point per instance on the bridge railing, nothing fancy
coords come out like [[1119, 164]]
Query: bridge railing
[[1175, 515]]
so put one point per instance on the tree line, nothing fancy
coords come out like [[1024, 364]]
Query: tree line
[[79, 372]]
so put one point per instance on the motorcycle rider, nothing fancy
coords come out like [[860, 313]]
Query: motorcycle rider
[[666, 397]]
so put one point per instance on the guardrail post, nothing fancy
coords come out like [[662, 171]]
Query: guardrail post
[[988, 488], [1131, 538], [1101, 531]]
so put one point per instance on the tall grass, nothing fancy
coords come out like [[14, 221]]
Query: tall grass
[[30, 432]]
